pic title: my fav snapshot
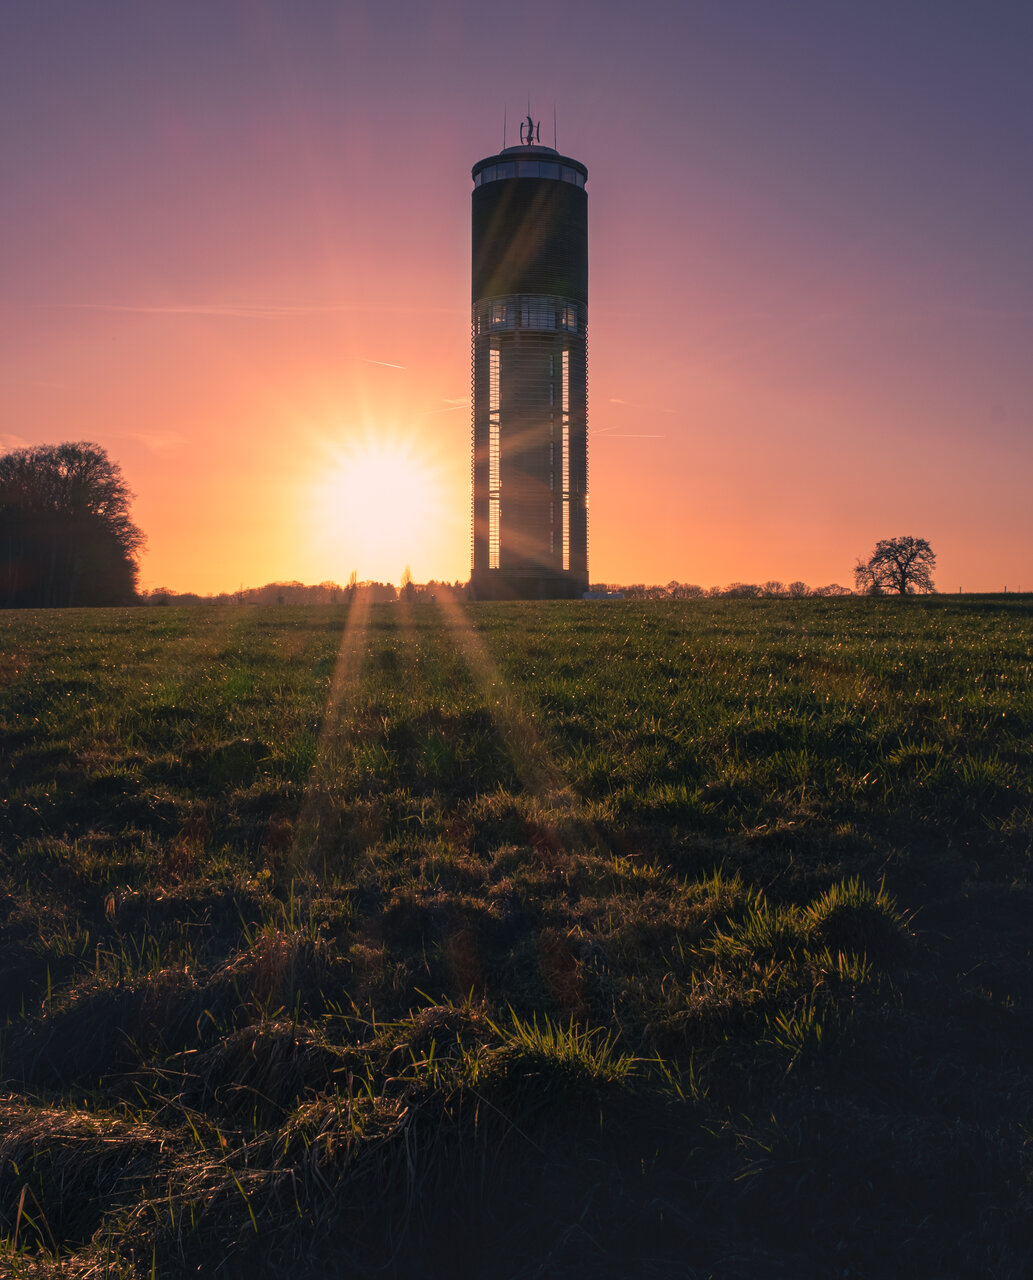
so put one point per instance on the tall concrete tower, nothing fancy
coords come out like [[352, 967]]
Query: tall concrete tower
[[530, 376]]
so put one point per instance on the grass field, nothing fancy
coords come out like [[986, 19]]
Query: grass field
[[528, 941]]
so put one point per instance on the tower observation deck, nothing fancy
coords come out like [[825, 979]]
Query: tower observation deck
[[530, 376]]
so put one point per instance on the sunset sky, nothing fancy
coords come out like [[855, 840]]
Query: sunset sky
[[236, 253]]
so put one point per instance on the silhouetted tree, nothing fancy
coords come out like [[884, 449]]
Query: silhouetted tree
[[66, 537], [684, 591], [899, 566]]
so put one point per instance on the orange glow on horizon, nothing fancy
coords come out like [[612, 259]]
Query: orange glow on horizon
[[246, 274]]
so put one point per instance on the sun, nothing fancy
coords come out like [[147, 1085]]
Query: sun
[[378, 506]]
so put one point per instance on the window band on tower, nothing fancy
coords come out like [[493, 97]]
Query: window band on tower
[[494, 459], [565, 455], [529, 169], [542, 312]]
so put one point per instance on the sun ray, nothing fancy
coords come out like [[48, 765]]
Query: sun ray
[[537, 771], [313, 833]]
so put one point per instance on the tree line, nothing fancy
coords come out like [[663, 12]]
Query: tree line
[[291, 593], [67, 538], [898, 566], [735, 590]]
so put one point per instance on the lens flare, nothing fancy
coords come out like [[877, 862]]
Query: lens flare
[[379, 504]]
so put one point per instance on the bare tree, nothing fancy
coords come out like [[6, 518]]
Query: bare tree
[[898, 566]]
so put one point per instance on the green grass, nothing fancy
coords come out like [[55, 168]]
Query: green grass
[[666, 939]]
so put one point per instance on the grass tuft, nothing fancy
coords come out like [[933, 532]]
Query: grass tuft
[[851, 917], [764, 933], [567, 1055]]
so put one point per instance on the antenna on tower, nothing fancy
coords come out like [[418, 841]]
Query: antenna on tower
[[534, 128], [504, 110], [555, 144]]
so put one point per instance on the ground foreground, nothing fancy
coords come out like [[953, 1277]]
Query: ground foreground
[[534, 941]]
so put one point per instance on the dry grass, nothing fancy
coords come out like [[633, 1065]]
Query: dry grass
[[678, 940]]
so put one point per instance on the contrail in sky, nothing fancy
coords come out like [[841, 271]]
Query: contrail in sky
[[245, 311]]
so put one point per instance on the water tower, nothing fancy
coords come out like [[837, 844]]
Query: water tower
[[530, 376]]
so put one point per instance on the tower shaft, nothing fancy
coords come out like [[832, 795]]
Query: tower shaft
[[530, 381]]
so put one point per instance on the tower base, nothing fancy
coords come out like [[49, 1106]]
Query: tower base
[[510, 584]]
